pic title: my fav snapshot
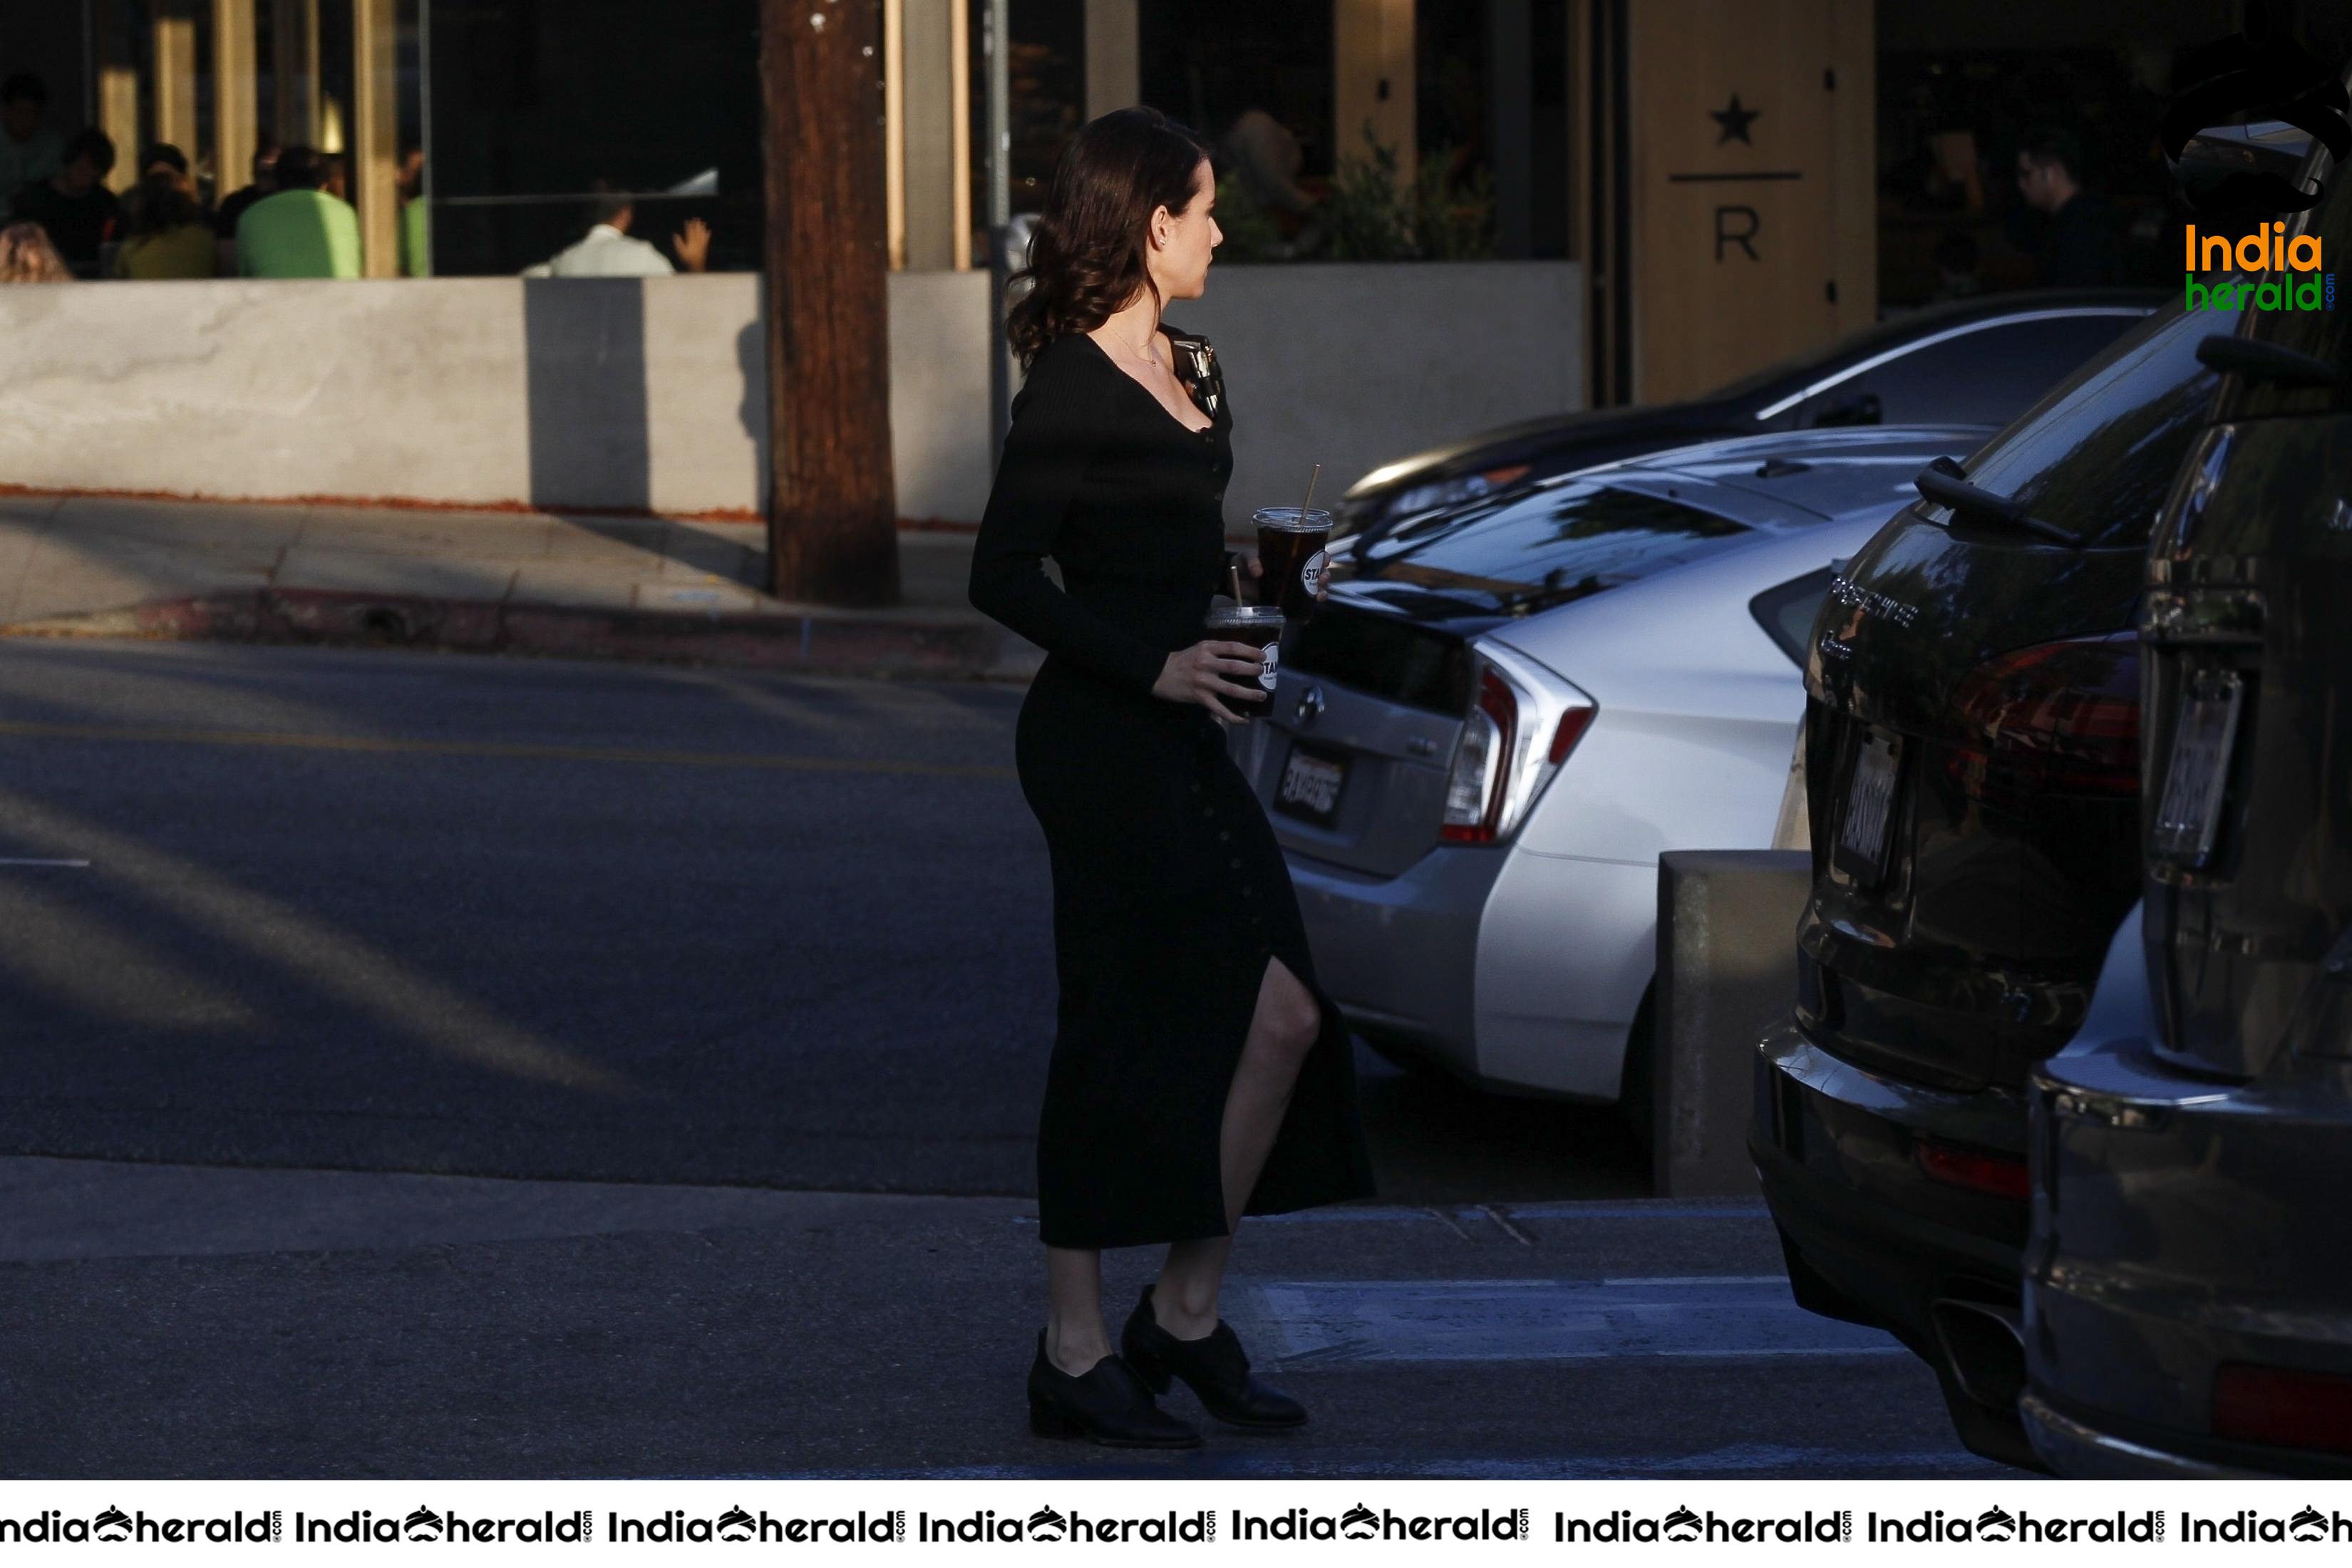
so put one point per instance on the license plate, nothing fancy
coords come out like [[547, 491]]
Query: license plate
[[1869, 803], [1309, 786], [2188, 812]]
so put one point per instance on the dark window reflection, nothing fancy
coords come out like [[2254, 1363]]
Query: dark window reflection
[[2096, 455], [534, 101], [1550, 545]]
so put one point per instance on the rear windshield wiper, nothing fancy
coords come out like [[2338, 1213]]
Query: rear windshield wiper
[[1946, 483], [2259, 361]]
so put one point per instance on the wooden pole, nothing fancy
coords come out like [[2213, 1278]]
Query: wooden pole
[[832, 511], [118, 93], [236, 115], [376, 134], [175, 53]]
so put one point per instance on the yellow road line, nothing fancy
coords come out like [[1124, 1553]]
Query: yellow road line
[[505, 750]]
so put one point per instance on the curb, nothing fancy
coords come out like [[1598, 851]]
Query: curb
[[838, 644]]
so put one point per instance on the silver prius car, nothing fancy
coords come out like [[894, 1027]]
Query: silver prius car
[[1478, 746]]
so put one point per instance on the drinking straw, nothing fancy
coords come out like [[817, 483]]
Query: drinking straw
[[1310, 498]]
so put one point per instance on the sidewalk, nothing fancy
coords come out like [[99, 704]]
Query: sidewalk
[[644, 588], [180, 1321]]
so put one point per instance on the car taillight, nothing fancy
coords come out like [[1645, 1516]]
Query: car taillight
[[1523, 725], [2282, 1406], [2003, 1175], [2058, 718]]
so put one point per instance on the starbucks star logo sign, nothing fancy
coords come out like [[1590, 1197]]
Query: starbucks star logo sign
[[1734, 120]]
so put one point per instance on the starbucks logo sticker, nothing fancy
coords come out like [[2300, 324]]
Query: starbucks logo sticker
[[1272, 656], [1310, 576]]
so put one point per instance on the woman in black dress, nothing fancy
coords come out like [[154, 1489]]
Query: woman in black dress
[[1198, 1073]]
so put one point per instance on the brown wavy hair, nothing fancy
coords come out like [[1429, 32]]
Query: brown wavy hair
[[27, 256], [1087, 257]]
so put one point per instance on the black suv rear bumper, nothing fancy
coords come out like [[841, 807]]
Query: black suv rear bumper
[[1871, 1236]]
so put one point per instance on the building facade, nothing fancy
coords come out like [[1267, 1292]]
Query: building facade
[[1741, 178]]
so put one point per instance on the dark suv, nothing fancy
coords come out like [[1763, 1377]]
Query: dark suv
[[1971, 743], [2189, 1292]]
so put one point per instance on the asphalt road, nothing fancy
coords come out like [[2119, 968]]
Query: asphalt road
[[554, 919], [426, 1064]]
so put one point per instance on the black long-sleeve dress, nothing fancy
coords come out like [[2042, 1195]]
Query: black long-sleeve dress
[[1170, 891]]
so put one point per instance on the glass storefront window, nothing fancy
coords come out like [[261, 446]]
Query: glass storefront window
[[537, 104]]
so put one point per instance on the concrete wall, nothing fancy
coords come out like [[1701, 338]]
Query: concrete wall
[[651, 395], [938, 393], [1352, 366]]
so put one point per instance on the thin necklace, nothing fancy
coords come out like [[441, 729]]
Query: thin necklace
[[1147, 357]]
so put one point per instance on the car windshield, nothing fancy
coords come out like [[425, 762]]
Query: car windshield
[[1859, 344], [1810, 367], [1549, 546], [2097, 454]]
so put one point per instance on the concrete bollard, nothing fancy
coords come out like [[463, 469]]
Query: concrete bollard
[[1726, 968]]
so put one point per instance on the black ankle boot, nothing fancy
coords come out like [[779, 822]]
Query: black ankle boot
[[1216, 1367], [1107, 1404]]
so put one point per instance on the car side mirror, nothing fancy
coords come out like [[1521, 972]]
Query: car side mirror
[[1861, 408]]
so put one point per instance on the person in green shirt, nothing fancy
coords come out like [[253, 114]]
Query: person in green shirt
[[302, 231], [415, 220]]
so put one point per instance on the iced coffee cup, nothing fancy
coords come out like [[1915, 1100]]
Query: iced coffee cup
[[1292, 549], [1260, 626]]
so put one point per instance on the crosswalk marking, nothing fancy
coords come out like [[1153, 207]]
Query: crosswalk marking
[[1314, 1322]]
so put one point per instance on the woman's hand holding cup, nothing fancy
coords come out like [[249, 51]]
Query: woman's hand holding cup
[[1212, 673]]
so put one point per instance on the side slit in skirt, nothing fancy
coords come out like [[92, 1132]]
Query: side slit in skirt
[[1169, 895]]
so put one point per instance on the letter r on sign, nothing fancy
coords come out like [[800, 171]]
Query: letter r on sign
[[1727, 234]]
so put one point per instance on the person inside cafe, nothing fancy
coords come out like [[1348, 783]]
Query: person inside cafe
[[29, 150], [609, 250], [165, 235], [2077, 246], [301, 230], [74, 204]]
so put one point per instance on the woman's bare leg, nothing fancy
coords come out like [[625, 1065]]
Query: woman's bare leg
[[1075, 1336], [1282, 1030]]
